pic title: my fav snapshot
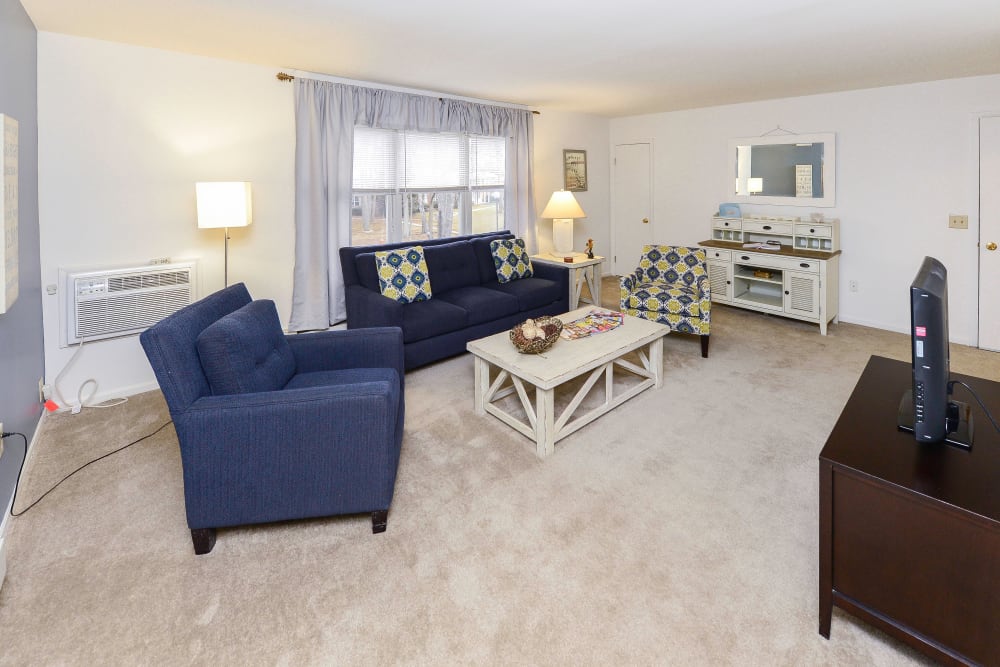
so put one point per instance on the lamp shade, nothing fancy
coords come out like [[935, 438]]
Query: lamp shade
[[755, 185], [563, 204], [224, 204]]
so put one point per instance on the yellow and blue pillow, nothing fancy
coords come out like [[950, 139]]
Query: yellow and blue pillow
[[403, 275], [510, 258]]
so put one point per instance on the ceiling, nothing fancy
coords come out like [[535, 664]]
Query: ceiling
[[608, 58]]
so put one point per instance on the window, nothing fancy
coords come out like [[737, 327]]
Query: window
[[418, 186]]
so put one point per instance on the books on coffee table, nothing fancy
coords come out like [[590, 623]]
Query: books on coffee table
[[597, 320]]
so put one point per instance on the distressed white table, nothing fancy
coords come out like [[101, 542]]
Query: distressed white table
[[581, 269], [500, 371]]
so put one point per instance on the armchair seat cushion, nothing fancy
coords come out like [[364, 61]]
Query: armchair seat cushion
[[246, 351], [663, 297], [345, 376]]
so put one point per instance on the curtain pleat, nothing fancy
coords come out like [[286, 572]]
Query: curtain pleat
[[325, 116]]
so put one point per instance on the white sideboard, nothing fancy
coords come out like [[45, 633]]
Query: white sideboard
[[799, 280]]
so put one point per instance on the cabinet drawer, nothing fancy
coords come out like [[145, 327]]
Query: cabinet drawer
[[727, 223], [720, 255], [824, 231], [777, 262], [767, 227]]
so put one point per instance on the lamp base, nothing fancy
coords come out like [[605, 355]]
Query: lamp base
[[562, 236]]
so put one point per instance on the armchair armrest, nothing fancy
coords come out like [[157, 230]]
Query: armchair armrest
[[336, 442], [380, 347], [629, 281], [366, 308]]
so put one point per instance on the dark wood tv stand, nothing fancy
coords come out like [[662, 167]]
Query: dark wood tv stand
[[909, 532]]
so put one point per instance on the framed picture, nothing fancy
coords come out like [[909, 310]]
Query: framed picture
[[575, 170]]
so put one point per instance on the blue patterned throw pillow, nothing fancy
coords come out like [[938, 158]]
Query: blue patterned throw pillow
[[402, 274], [510, 258]]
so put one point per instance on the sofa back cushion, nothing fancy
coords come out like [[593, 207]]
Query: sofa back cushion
[[366, 270], [484, 256], [452, 265], [246, 351]]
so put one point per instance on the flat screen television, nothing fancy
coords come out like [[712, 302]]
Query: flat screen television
[[926, 409]]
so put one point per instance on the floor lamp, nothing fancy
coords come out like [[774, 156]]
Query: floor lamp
[[562, 208], [224, 205]]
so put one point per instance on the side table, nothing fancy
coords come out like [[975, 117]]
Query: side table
[[581, 269]]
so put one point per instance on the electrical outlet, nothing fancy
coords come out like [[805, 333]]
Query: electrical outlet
[[853, 285], [958, 221]]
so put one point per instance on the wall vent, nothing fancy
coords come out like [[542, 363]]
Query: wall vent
[[121, 302]]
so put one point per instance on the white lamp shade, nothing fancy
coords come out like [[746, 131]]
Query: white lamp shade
[[224, 204], [755, 185], [563, 204]]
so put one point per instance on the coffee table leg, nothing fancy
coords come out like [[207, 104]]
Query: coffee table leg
[[656, 361], [545, 428], [482, 381]]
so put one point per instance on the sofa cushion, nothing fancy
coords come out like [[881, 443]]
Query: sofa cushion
[[510, 259], [452, 265], [403, 274], [530, 292], [246, 351], [364, 264], [482, 304], [425, 319]]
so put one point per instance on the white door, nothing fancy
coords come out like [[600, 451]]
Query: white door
[[989, 232], [632, 220]]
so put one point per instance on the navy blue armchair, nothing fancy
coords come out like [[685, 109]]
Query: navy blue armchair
[[274, 427]]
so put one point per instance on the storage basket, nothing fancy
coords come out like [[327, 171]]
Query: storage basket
[[552, 326]]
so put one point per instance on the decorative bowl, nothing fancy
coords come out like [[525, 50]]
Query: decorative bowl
[[552, 326]]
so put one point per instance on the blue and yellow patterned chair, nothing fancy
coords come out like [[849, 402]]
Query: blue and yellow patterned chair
[[671, 287]]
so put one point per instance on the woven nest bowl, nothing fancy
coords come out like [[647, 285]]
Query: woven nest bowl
[[552, 326]]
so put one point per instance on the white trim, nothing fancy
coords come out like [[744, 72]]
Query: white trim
[[399, 89], [29, 450]]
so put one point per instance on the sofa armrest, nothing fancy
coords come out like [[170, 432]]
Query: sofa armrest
[[551, 272], [269, 456], [366, 308], [380, 347]]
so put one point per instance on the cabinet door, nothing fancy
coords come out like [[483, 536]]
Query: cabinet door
[[720, 280], [802, 294]]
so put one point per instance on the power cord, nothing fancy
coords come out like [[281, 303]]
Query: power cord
[[972, 391], [56, 485], [80, 399]]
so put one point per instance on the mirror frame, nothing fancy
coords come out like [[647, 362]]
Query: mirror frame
[[829, 141]]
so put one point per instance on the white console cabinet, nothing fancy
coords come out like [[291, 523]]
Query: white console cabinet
[[799, 280]]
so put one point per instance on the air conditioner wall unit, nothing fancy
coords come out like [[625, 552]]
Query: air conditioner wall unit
[[107, 303]]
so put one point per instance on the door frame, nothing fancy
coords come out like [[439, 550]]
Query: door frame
[[614, 194], [977, 145]]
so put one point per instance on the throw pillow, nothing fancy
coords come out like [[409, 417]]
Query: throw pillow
[[403, 275], [510, 258], [246, 351]]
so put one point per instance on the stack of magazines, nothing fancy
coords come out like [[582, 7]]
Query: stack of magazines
[[597, 320]]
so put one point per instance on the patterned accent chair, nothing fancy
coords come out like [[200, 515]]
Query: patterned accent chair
[[671, 287]]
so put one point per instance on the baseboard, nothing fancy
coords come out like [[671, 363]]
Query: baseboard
[[111, 394]]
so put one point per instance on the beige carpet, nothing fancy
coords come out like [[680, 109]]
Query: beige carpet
[[679, 529]]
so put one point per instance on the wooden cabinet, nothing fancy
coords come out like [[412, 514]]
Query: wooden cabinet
[[798, 278]]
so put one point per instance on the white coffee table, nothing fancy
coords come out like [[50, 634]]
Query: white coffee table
[[500, 370]]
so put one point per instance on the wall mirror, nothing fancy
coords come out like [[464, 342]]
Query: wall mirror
[[791, 169]]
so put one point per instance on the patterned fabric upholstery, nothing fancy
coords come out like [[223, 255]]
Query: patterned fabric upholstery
[[510, 257], [403, 274], [670, 286]]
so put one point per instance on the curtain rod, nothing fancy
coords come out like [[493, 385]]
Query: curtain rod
[[283, 76]]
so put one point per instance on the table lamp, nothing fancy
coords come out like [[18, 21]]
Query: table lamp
[[755, 185], [562, 208], [222, 204]]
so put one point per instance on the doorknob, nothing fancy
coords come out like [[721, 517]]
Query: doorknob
[[645, 221], [991, 246]]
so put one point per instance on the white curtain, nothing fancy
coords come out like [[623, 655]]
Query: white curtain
[[325, 116]]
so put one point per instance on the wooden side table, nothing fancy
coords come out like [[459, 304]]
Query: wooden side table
[[581, 269]]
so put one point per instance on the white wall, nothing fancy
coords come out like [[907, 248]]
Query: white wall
[[555, 131], [906, 159], [125, 132]]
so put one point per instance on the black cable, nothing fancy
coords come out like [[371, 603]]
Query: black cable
[[54, 486], [978, 400]]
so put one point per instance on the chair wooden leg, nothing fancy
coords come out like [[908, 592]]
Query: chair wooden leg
[[704, 346], [204, 540], [379, 519]]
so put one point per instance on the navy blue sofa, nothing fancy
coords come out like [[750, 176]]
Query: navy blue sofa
[[274, 427], [467, 300]]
